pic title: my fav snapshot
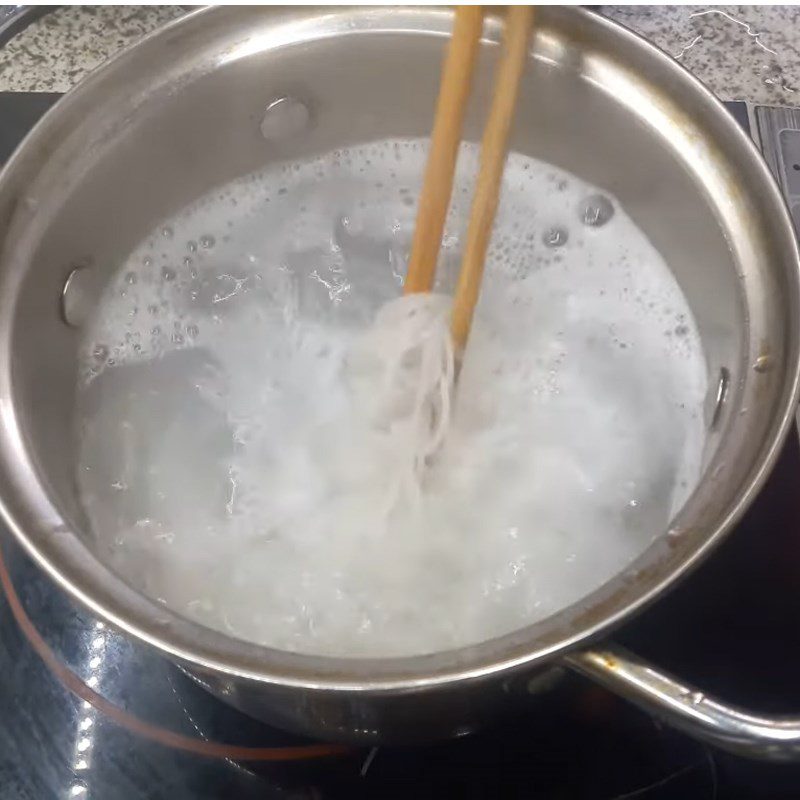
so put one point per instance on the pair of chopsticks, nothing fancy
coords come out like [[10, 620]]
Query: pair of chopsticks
[[437, 187]]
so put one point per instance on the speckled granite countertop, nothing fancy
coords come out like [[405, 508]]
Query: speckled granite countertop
[[740, 52], [57, 50]]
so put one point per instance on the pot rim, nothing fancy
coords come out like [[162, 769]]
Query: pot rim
[[42, 531]]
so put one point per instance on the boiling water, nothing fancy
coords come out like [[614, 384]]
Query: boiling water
[[235, 464]]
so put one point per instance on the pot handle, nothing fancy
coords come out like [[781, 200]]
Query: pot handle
[[688, 709]]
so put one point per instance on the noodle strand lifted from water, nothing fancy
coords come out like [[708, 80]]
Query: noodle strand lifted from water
[[402, 373]]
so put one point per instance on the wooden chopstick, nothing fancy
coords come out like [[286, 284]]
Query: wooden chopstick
[[519, 21], [445, 140]]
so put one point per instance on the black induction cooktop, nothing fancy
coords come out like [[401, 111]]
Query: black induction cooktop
[[731, 628]]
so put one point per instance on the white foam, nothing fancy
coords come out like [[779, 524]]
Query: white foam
[[223, 469]]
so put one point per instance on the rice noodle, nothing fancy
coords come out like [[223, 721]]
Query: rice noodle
[[401, 373]]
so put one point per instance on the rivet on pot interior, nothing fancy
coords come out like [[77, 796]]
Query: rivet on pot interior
[[718, 400], [763, 363], [76, 297], [283, 118]]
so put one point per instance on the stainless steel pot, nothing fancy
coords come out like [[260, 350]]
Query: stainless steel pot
[[179, 113]]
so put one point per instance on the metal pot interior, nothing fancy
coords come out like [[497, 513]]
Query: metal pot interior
[[179, 114]]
